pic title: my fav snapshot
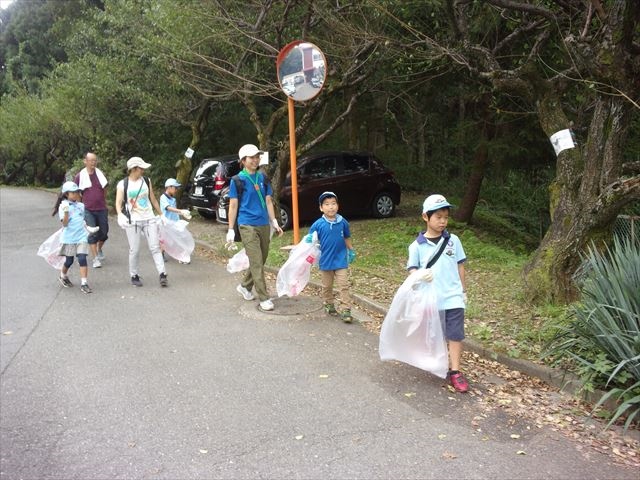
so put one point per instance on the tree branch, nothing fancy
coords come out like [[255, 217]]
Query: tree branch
[[631, 168], [523, 7], [336, 123]]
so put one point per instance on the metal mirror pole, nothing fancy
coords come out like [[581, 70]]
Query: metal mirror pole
[[294, 170]]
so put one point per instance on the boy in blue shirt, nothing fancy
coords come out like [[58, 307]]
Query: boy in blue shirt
[[168, 202], [336, 254], [447, 273], [169, 208]]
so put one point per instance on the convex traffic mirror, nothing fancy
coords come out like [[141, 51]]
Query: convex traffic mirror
[[301, 70]]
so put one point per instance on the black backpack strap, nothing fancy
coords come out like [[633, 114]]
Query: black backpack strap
[[125, 210], [125, 185], [434, 259], [239, 186]]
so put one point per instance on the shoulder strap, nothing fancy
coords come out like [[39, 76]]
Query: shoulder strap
[[434, 259], [125, 185], [239, 186]]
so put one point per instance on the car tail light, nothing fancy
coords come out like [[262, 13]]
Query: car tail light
[[219, 183]]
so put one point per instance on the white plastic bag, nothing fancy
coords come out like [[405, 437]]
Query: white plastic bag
[[412, 331], [50, 248], [296, 271], [176, 240], [238, 262]]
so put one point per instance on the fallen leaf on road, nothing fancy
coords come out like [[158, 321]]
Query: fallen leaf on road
[[8, 332], [442, 436], [449, 455], [521, 452], [323, 376], [299, 437], [515, 435], [410, 394], [202, 450]]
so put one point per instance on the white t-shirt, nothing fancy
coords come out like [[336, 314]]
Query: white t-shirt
[[138, 204]]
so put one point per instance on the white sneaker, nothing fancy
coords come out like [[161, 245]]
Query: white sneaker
[[266, 305], [97, 263], [246, 294]]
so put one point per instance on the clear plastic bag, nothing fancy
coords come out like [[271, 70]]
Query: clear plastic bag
[[412, 331], [176, 240], [50, 248], [296, 271], [238, 262]]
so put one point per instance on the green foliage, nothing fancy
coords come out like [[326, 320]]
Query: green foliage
[[601, 337]]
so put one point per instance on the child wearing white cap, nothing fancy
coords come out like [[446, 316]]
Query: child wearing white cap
[[168, 203], [74, 239], [448, 275]]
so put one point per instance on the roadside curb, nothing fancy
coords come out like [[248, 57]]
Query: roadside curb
[[564, 381]]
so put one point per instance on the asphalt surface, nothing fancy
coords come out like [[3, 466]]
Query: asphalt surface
[[191, 381]]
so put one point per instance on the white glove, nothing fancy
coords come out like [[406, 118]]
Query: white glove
[[231, 235], [464, 298], [186, 214], [123, 221], [425, 275], [91, 229], [64, 206]]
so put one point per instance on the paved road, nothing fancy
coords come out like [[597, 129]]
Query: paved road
[[193, 382]]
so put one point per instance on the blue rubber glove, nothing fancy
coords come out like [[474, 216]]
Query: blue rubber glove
[[351, 255], [308, 238]]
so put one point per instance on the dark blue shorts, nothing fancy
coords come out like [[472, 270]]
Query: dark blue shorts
[[97, 218], [454, 324]]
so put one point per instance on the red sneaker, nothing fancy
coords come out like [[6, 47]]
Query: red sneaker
[[458, 382]]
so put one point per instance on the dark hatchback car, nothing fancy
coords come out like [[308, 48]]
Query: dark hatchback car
[[364, 186], [209, 178]]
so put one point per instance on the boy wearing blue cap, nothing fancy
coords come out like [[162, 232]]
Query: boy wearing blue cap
[[168, 203], [441, 256], [336, 255]]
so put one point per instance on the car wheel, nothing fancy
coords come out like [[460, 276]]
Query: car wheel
[[285, 218], [206, 213], [383, 206]]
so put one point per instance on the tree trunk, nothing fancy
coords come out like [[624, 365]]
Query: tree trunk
[[199, 125], [585, 197], [352, 126], [376, 137], [478, 169], [422, 143]]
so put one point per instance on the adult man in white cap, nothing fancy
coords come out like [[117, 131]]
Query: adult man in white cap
[[253, 208], [135, 202]]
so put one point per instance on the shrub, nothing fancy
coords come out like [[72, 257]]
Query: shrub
[[602, 333]]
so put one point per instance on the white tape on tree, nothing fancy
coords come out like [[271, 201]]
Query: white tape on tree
[[562, 140]]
